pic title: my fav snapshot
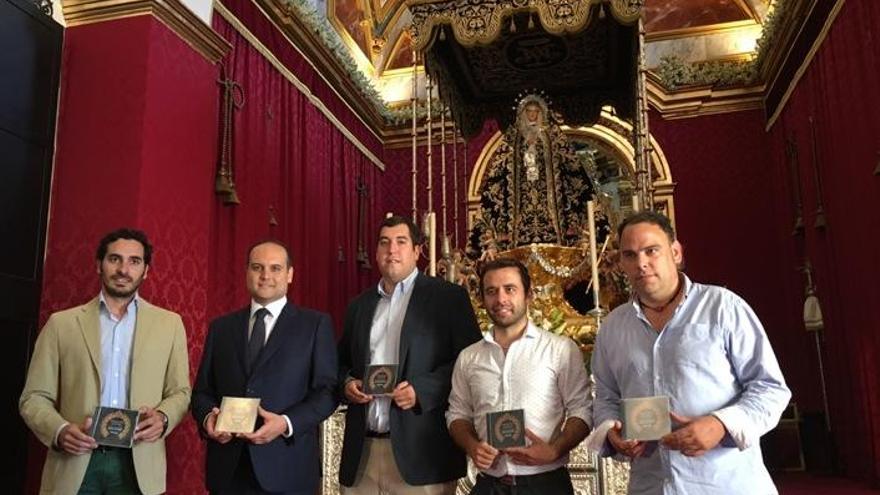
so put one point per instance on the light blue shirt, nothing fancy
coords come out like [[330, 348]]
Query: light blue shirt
[[385, 343], [712, 357], [117, 337]]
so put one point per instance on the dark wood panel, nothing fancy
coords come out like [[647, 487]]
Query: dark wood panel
[[30, 58]]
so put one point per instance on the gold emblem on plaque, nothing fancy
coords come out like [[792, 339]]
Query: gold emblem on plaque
[[237, 415]]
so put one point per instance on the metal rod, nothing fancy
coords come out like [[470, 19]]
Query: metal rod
[[464, 173], [443, 168], [822, 381], [429, 95], [647, 149], [414, 102], [643, 152], [455, 181]]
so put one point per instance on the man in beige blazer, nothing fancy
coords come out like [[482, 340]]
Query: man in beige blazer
[[117, 350]]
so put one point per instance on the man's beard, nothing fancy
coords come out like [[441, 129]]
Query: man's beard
[[114, 292]]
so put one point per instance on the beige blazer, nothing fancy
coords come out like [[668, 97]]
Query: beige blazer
[[64, 385]]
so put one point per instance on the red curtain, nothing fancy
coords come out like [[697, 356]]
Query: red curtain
[[840, 92], [296, 175]]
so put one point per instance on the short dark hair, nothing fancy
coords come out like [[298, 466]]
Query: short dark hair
[[415, 234], [648, 216], [270, 241], [128, 234], [499, 263]]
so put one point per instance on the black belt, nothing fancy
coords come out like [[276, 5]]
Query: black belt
[[524, 480], [376, 434]]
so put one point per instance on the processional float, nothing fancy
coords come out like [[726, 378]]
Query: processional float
[[482, 58]]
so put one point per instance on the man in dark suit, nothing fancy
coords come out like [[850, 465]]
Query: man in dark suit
[[282, 354], [399, 444]]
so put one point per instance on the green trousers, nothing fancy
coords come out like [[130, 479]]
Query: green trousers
[[110, 471]]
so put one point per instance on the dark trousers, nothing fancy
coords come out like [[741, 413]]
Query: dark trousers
[[556, 482], [244, 481], [110, 471]]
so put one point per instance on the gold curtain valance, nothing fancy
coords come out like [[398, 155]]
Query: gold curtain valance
[[479, 21]]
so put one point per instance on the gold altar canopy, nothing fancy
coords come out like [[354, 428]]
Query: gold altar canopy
[[582, 54]]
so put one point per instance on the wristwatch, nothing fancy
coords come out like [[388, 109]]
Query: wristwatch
[[164, 422]]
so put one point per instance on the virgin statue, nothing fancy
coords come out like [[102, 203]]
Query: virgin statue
[[535, 189]]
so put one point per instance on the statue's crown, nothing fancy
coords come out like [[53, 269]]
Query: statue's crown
[[526, 99]]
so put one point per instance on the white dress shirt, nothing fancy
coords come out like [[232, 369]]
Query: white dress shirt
[[271, 317], [385, 343], [542, 373]]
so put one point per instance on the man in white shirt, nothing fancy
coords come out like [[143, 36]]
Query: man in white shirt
[[518, 366]]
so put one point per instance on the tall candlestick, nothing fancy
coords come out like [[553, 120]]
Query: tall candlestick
[[432, 244], [594, 260]]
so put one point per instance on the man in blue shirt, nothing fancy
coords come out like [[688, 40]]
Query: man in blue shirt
[[704, 348], [118, 351]]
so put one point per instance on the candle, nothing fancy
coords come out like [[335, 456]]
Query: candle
[[432, 244], [447, 250], [594, 263], [635, 203]]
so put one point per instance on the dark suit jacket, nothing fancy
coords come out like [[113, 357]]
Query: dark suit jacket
[[295, 375], [439, 323]]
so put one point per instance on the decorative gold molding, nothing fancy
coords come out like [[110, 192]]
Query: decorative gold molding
[[814, 48], [303, 40], [700, 30], [392, 54], [172, 13], [749, 9], [774, 56], [702, 100], [357, 52], [302, 87]]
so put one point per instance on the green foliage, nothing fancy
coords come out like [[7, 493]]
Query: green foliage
[[675, 73]]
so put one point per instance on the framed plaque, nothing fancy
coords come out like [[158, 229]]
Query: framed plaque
[[237, 415], [646, 418], [113, 427], [506, 429], [380, 379]]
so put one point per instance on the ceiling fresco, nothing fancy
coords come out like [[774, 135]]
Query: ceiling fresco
[[673, 15]]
